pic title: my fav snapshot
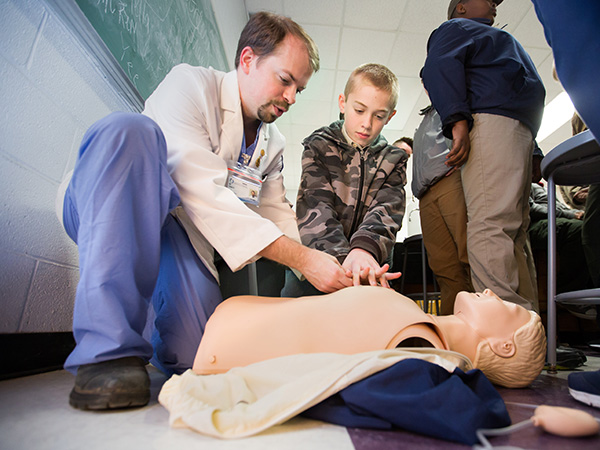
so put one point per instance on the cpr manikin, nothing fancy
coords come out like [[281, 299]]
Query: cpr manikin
[[504, 340]]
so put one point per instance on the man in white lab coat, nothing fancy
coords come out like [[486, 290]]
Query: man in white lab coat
[[153, 196]]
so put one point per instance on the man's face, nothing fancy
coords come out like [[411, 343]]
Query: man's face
[[366, 110], [270, 83], [485, 9]]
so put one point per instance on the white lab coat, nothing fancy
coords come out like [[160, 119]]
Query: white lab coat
[[247, 400], [199, 112]]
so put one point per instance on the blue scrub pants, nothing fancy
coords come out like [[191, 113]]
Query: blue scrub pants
[[133, 254]]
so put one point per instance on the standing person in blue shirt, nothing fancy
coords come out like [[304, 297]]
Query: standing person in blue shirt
[[491, 99]]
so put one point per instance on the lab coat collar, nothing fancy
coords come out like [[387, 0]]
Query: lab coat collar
[[232, 130]]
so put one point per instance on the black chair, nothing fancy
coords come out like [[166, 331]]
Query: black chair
[[413, 245], [576, 161]]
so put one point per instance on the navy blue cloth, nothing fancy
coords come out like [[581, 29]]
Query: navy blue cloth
[[571, 29], [418, 396], [472, 67]]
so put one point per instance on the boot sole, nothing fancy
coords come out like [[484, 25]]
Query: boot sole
[[113, 400]]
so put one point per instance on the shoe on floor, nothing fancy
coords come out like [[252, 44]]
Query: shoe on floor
[[119, 383], [568, 358], [585, 387]]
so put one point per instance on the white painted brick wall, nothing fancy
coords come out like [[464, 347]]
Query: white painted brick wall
[[50, 94]]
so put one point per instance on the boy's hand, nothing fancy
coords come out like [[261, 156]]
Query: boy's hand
[[364, 269], [461, 145]]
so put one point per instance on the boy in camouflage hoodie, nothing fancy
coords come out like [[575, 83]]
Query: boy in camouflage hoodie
[[351, 197]]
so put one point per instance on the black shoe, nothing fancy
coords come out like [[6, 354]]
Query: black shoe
[[119, 383], [568, 358]]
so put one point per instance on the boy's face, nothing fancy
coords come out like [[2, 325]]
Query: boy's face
[[366, 111], [484, 9]]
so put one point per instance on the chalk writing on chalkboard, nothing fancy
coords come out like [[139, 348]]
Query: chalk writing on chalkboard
[[149, 37]]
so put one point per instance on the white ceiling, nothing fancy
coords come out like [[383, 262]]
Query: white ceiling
[[390, 32]]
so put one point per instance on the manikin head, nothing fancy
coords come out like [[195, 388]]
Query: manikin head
[[275, 59], [470, 9], [511, 346], [368, 102]]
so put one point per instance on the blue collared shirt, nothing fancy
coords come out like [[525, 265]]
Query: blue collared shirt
[[248, 151], [472, 67]]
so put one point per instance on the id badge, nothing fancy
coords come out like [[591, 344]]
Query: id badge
[[245, 182]]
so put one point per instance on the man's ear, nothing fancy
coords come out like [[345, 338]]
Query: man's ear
[[247, 55], [504, 348]]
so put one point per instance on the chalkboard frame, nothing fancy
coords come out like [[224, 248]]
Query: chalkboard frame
[[86, 36]]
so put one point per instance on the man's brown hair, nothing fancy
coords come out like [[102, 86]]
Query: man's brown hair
[[265, 31]]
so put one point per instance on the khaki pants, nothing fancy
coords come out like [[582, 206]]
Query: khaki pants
[[496, 180], [444, 227]]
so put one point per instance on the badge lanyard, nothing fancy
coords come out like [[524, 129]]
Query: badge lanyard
[[246, 181]]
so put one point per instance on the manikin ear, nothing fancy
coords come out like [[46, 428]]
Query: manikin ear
[[342, 103], [504, 348], [246, 57]]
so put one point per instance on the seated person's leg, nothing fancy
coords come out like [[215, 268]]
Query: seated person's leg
[[114, 207]]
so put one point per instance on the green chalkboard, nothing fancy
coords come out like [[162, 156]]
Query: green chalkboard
[[149, 37]]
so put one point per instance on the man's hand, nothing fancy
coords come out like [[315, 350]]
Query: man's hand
[[323, 271], [461, 145], [362, 267]]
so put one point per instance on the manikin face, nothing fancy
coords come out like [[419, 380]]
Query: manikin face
[[485, 9], [366, 110], [269, 84], [489, 315]]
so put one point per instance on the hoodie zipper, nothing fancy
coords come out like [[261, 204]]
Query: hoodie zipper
[[359, 204]]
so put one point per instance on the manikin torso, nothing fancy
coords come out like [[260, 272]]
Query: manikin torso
[[246, 329]]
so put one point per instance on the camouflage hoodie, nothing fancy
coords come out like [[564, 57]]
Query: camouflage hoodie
[[350, 198]]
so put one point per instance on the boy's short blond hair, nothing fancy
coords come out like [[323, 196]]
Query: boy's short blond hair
[[379, 76]]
